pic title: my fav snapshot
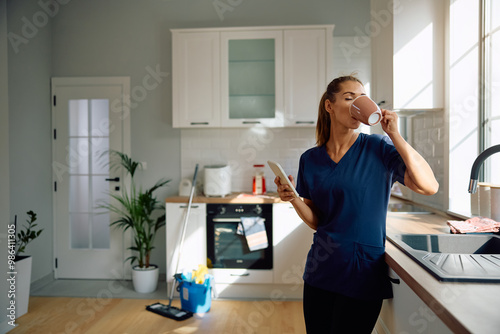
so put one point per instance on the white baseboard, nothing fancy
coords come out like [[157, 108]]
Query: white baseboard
[[39, 283]]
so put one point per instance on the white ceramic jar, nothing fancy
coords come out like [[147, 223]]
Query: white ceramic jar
[[495, 202]]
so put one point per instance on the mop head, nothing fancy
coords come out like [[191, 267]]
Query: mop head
[[171, 312]]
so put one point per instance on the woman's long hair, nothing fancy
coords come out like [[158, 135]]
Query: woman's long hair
[[324, 123]]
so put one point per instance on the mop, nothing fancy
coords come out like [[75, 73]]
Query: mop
[[170, 311]]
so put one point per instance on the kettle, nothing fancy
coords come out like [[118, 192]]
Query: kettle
[[217, 181]]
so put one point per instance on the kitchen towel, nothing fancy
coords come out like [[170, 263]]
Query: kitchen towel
[[254, 230], [474, 225]]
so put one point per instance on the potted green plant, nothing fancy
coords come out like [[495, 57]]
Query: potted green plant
[[136, 209], [22, 271]]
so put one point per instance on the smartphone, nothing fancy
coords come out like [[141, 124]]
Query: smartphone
[[278, 171]]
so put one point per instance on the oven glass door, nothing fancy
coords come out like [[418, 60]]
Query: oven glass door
[[228, 249]]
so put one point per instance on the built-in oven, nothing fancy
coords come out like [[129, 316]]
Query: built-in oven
[[227, 245]]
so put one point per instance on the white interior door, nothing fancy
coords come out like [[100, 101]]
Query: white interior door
[[90, 117]]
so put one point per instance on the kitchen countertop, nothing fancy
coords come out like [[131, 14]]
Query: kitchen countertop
[[238, 197], [463, 307]]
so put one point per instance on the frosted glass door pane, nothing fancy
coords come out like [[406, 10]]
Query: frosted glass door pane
[[79, 155], [79, 230], [88, 155], [100, 192], [79, 194], [100, 156], [100, 231], [99, 118], [78, 117]]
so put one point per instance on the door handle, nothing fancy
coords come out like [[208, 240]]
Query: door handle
[[116, 179]]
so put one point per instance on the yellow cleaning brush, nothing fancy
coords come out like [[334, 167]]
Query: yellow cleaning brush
[[199, 274]]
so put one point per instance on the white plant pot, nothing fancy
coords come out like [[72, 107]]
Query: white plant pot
[[23, 283], [145, 280]]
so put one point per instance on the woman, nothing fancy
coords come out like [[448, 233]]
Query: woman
[[344, 183]]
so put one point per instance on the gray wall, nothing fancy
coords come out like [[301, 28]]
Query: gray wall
[[4, 162], [29, 62], [122, 38]]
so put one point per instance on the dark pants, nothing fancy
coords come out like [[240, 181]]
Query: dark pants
[[327, 312]]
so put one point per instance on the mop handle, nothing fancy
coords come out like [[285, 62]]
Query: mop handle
[[183, 233]]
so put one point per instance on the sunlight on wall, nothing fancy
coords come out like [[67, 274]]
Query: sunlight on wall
[[417, 91], [463, 120]]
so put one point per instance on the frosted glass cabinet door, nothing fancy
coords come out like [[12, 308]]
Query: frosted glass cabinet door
[[252, 78]]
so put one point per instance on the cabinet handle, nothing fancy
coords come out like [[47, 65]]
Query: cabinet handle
[[246, 274], [185, 206], [251, 122], [304, 122], [199, 123], [229, 220]]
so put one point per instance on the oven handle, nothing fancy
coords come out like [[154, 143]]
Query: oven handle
[[228, 220]]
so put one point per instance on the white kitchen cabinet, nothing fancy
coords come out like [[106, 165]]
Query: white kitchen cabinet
[[194, 250], [292, 239], [407, 313], [308, 69], [196, 79], [250, 76]]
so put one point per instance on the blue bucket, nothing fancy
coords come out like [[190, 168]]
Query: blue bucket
[[196, 298]]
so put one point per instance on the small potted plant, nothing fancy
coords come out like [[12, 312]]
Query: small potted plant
[[136, 209], [22, 272]]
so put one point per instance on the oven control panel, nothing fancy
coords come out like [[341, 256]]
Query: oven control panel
[[238, 210]]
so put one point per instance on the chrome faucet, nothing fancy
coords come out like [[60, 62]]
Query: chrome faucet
[[477, 163]]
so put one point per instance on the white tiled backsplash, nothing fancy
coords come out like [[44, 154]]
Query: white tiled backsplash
[[243, 148], [428, 138]]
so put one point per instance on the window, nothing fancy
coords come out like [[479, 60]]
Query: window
[[474, 99], [490, 115]]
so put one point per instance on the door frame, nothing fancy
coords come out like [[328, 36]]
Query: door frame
[[124, 104]]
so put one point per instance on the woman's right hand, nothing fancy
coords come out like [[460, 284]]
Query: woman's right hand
[[284, 191]]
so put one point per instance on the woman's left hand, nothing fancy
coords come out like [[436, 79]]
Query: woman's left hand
[[389, 122]]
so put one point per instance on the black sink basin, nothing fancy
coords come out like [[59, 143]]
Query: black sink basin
[[466, 258]]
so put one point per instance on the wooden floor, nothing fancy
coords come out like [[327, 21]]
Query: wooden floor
[[129, 316]]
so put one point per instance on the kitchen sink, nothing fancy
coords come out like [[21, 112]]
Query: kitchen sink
[[450, 257]]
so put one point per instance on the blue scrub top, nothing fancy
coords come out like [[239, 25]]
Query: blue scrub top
[[351, 196]]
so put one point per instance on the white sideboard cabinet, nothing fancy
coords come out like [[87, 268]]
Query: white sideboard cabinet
[[194, 249], [407, 313], [292, 239], [250, 76]]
